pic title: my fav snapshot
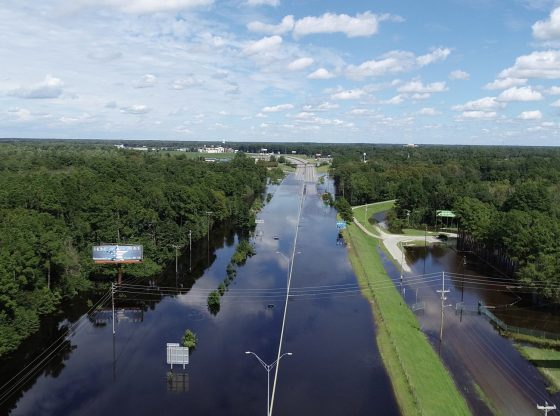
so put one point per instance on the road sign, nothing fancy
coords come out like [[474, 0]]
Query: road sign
[[177, 354], [341, 225], [118, 253]]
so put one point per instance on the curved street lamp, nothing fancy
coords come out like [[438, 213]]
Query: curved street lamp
[[267, 367]]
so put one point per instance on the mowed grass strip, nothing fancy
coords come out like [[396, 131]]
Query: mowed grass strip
[[360, 213], [420, 381], [547, 362]]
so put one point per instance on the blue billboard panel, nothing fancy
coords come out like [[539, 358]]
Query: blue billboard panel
[[118, 253]]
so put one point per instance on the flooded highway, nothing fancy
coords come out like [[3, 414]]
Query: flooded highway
[[335, 367]]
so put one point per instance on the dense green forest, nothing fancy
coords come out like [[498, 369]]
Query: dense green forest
[[57, 200], [506, 198]]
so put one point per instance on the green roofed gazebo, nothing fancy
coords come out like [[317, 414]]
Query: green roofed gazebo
[[444, 213]]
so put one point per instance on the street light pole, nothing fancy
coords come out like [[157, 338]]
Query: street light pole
[[267, 367]]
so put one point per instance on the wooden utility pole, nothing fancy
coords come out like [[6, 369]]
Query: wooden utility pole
[[546, 408], [443, 299], [176, 247]]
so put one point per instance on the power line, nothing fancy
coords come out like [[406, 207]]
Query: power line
[[15, 384]]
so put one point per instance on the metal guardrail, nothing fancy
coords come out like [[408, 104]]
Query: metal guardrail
[[482, 310]]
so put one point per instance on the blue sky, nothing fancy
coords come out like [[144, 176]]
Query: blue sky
[[442, 72]]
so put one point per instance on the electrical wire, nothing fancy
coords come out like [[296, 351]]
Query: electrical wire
[[13, 384]]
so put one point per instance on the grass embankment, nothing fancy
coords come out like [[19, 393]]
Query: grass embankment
[[547, 362], [286, 168], [323, 168], [360, 213], [420, 381]]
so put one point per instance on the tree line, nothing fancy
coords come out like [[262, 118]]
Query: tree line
[[507, 198], [58, 200]]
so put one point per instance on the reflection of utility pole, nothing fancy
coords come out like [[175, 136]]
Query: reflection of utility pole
[[547, 408], [463, 279], [443, 305], [113, 304], [190, 250]]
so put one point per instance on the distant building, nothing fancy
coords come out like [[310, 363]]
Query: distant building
[[212, 149], [410, 145]]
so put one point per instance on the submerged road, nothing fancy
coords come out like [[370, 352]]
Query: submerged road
[[336, 367]]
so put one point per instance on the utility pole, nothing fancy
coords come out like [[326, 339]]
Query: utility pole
[[402, 261], [190, 250], [365, 216], [176, 247], [443, 299], [547, 408], [208, 213]]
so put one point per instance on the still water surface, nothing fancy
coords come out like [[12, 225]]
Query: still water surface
[[335, 368]]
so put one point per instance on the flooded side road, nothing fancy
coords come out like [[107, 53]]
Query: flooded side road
[[472, 349], [335, 368]]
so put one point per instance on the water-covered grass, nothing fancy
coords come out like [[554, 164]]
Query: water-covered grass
[[420, 381]]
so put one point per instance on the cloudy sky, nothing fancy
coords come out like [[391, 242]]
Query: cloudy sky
[[442, 71]]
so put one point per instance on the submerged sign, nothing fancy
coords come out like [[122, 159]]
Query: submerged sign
[[177, 354], [118, 254]]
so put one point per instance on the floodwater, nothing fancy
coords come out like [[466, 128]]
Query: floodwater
[[474, 352], [335, 367]]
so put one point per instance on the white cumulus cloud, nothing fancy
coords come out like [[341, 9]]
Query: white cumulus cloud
[[395, 62], [321, 73], [277, 108], [148, 6], [504, 83], [539, 64], [348, 94], [549, 29], [363, 24], [418, 87], [272, 3], [428, 111], [263, 45], [136, 109], [482, 104], [530, 115], [459, 75], [147, 81], [300, 64], [484, 115], [286, 25], [50, 87], [520, 94]]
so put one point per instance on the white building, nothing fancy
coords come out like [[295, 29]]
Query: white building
[[212, 149]]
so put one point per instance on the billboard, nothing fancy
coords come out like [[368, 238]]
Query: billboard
[[118, 254]]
